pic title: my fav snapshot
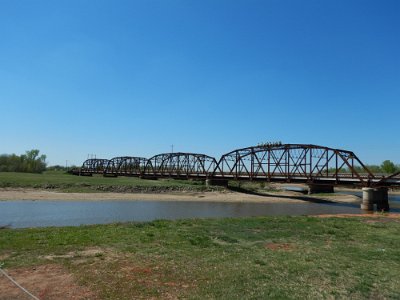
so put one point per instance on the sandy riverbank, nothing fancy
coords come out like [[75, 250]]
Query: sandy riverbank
[[225, 196]]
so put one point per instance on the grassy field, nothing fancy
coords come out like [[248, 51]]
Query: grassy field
[[249, 258], [97, 183], [64, 182]]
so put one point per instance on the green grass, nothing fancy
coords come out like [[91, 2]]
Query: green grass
[[97, 183], [247, 258]]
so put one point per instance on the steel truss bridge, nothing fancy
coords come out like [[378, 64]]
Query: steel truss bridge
[[286, 163]]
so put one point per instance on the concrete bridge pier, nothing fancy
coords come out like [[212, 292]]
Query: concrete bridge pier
[[320, 188], [378, 196]]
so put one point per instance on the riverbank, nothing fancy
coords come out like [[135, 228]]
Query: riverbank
[[9, 194], [62, 182], [55, 185], [260, 258]]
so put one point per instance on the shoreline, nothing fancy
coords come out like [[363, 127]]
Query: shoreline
[[14, 194]]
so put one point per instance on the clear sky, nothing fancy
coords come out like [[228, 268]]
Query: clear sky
[[115, 78]]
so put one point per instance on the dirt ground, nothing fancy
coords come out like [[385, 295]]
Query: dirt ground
[[106, 270], [48, 281], [226, 196]]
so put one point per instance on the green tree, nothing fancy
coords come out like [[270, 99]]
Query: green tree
[[388, 167], [28, 162], [375, 168]]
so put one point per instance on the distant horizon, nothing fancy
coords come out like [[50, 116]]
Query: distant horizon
[[135, 77]]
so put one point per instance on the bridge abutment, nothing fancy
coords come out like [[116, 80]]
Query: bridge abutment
[[378, 196], [320, 188]]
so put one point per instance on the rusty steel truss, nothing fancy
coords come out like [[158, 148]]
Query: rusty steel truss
[[180, 165], [293, 163], [296, 163], [125, 166], [93, 166]]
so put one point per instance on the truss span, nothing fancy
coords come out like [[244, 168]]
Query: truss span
[[297, 163], [125, 166], [93, 166], [180, 165], [294, 163]]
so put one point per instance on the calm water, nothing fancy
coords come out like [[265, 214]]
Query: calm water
[[20, 214], [394, 200]]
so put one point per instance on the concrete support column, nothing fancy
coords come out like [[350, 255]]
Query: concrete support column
[[320, 188], [368, 199], [378, 196]]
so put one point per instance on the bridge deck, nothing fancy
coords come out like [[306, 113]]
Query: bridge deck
[[341, 179]]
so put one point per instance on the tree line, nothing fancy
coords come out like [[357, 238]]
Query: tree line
[[386, 167], [29, 162]]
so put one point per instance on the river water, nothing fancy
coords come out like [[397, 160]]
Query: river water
[[25, 213]]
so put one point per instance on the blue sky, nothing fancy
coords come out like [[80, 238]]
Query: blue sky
[[131, 77]]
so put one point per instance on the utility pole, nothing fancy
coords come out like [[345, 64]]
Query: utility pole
[[172, 148]]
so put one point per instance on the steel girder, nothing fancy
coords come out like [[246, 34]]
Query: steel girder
[[180, 165], [125, 165], [393, 179], [293, 163], [94, 166]]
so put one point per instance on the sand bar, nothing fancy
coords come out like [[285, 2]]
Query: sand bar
[[12, 194]]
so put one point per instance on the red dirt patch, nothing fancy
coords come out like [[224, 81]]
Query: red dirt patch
[[45, 282], [279, 246], [125, 276]]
